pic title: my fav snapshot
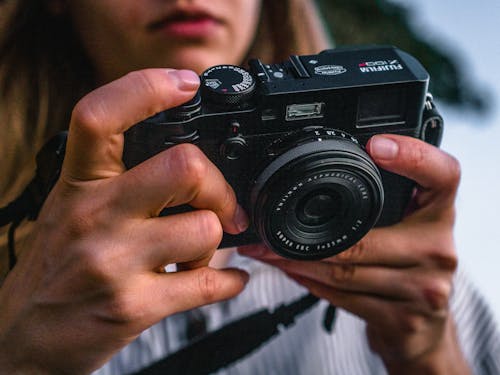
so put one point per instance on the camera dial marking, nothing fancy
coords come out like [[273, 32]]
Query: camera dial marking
[[227, 85]]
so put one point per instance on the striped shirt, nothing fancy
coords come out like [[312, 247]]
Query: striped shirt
[[306, 347]]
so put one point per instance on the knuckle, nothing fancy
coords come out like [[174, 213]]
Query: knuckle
[[437, 295], [341, 273], [122, 308], [192, 165], [210, 228], [98, 257], [411, 323], [416, 156], [207, 282], [446, 261], [88, 116], [229, 199], [454, 172], [443, 255], [98, 266]]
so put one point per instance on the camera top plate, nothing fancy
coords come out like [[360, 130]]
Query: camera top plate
[[339, 68]]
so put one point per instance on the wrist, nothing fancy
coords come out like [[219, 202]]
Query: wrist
[[445, 357]]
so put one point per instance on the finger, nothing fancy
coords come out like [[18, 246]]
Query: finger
[[95, 140], [180, 175], [403, 246], [413, 284], [186, 290], [379, 281], [402, 316], [430, 167], [192, 236], [393, 246], [385, 246]]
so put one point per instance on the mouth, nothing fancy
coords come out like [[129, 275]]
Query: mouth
[[186, 23]]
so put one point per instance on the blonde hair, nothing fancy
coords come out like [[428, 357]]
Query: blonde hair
[[44, 71], [289, 27]]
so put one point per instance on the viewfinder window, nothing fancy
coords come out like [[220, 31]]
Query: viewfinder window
[[382, 107]]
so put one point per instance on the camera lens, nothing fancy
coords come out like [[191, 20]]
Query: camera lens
[[317, 196]]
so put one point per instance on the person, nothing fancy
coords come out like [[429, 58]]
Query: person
[[89, 291]]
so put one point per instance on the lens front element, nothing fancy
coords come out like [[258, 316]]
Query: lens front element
[[317, 208]]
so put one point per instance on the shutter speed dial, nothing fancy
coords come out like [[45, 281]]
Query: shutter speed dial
[[227, 85]]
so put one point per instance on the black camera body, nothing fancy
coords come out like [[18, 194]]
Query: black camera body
[[290, 138]]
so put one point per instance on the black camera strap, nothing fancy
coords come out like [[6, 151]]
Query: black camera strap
[[28, 204], [236, 340], [10, 215]]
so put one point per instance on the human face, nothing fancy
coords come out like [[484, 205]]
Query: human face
[[124, 35]]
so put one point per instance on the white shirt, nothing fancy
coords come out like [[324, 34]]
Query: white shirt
[[305, 347]]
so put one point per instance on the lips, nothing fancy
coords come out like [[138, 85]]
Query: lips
[[186, 23]]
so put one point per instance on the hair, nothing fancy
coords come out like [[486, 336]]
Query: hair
[[44, 71], [300, 30]]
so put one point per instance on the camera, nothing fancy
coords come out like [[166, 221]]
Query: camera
[[289, 138]]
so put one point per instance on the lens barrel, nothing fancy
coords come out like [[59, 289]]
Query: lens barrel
[[318, 196]]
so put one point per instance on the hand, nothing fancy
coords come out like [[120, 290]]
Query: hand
[[88, 279], [398, 278]]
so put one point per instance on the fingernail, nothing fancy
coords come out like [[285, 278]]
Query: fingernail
[[240, 219], [187, 80], [383, 148]]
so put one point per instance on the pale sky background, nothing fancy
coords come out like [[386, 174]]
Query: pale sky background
[[472, 29]]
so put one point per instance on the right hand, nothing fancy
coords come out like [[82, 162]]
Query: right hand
[[88, 279]]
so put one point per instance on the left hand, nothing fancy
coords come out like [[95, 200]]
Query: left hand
[[398, 278]]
